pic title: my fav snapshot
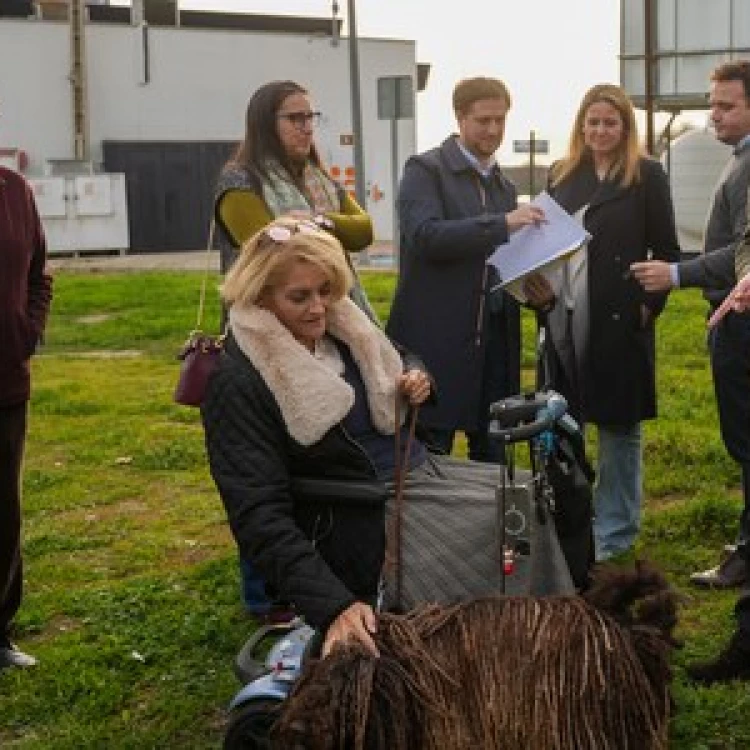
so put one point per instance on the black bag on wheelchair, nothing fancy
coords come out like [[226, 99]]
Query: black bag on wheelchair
[[571, 476]]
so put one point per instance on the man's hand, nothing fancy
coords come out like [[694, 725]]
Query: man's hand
[[654, 275], [523, 216], [738, 300], [539, 292], [415, 385], [355, 623]]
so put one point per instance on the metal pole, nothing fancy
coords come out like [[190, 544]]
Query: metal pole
[[648, 64], [359, 169], [532, 148], [394, 178], [78, 80]]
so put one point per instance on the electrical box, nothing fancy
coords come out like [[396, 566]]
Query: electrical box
[[49, 193]]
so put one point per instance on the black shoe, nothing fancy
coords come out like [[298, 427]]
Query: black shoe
[[731, 573], [733, 663], [10, 656]]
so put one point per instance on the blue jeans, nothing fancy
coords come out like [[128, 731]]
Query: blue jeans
[[253, 590], [617, 491]]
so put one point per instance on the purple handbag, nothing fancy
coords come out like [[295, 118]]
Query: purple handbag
[[200, 353], [199, 356]]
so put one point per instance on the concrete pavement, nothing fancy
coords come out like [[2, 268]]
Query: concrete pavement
[[379, 255]]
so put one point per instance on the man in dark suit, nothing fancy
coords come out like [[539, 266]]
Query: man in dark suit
[[714, 271], [455, 207], [25, 294], [726, 254]]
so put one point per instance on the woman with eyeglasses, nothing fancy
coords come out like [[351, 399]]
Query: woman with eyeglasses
[[300, 422], [276, 171]]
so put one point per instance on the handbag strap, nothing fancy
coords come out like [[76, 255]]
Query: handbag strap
[[206, 270], [394, 555]]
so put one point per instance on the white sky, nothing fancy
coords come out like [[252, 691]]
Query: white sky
[[548, 52]]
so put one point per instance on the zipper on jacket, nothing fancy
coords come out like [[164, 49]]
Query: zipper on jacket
[[315, 537], [361, 450]]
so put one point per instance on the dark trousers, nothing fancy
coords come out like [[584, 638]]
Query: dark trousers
[[496, 384], [481, 448], [253, 589], [12, 436], [742, 613], [729, 344]]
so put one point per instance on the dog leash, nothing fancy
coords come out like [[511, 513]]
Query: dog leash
[[394, 552]]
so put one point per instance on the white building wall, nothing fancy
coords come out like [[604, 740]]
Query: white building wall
[[35, 93], [199, 83]]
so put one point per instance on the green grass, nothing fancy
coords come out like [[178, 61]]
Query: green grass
[[132, 601]]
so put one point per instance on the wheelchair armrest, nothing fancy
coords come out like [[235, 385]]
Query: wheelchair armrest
[[343, 490]]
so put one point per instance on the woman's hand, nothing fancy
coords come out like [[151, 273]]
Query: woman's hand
[[356, 623], [415, 385]]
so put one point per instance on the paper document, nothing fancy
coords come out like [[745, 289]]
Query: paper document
[[538, 249]]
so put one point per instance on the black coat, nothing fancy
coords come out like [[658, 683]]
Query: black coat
[[302, 496], [446, 236], [627, 225], [267, 510]]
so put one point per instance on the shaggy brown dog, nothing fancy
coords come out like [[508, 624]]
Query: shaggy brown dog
[[505, 673]]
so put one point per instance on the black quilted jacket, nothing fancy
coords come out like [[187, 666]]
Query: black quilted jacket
[[318, 540]]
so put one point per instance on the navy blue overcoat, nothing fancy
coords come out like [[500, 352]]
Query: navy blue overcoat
[[450, 221]]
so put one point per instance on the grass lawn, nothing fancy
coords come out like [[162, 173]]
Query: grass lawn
[[132, 600]]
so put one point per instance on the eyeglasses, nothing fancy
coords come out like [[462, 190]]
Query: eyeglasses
[[301, 120], [280, 233]]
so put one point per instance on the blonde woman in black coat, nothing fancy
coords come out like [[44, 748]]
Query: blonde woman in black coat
[[602, 326], [300, 425]]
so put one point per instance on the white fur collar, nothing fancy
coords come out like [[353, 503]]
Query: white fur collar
[[313, 399]]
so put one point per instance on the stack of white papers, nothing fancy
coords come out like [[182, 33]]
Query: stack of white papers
[[538, 249]]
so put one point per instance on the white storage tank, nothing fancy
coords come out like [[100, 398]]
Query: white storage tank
[[695, 163]]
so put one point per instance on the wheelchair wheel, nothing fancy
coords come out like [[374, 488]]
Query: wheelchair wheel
[[250, 725]]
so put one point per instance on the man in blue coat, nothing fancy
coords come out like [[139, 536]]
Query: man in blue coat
[[455, 207]]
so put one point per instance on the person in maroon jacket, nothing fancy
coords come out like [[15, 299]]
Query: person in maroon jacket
[[25, 295]]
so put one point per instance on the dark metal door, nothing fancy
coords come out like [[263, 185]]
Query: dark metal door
[[181, 187], [170, 189]]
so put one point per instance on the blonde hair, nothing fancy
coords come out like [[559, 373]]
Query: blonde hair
[[627, 161], [263, 262]]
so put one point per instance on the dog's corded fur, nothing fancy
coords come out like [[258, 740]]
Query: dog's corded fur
[[555, 673]]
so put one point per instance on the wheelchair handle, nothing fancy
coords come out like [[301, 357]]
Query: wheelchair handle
[[520, 418]]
